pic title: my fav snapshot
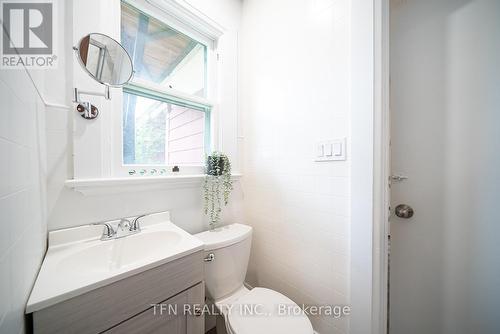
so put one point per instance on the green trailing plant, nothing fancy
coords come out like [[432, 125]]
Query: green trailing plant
[[217, 187]]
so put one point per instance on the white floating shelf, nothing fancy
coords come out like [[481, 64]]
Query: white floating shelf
[[98, 186]]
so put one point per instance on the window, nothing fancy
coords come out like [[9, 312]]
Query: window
[[165, 114], [157, 131]]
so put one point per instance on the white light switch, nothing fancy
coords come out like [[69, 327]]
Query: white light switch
[[328, 149], [337, 149], [320, 151], [331, 150]]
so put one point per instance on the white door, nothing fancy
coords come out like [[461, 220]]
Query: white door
[[445, 135]]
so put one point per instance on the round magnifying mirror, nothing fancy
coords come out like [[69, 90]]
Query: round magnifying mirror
[[104, 59]]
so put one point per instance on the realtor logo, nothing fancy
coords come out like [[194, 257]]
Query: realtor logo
[[27, 34]]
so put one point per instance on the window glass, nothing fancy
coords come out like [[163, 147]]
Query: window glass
[[162, 55], [162, 133]]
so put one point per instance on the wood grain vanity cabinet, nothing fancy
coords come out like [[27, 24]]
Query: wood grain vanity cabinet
[[125, 306]]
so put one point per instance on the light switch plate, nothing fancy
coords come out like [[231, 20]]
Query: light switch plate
[[332, 150]]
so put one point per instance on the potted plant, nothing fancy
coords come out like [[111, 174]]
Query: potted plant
[[217, 186]]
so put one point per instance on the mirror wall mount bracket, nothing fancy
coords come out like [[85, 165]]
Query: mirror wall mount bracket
[[86, 109]]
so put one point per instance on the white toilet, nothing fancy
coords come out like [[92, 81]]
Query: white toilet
[[227, 250]]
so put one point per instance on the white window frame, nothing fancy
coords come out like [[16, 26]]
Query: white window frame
[[187, 20]]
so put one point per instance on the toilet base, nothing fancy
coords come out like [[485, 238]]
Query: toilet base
[[221, 325]]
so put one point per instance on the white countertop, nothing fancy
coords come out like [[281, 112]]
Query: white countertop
[[77, 261]]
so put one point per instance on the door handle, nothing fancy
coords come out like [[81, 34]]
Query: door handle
[[404, 211]]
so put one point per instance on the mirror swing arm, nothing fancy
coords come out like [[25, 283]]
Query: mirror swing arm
[[85, 108]]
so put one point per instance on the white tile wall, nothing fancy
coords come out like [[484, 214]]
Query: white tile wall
[[23, 225], [294, 92]]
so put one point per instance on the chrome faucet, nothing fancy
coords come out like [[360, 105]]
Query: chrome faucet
[[124, 228]]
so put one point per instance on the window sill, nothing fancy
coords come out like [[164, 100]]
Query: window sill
[[103, 186]]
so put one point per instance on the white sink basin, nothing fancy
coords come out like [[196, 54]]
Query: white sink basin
[[77, 261], [120, 253]]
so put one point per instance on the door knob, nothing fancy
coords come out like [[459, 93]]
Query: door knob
[[404, 211]]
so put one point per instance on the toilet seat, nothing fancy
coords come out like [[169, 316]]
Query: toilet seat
[[260, 301]]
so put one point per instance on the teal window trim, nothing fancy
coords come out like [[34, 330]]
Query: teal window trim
[[158, 95], [164, 97]]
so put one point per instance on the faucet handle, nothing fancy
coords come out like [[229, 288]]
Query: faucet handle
[[108, 231], [134, 226]]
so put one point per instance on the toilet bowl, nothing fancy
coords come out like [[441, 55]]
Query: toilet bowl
[[245, 311]]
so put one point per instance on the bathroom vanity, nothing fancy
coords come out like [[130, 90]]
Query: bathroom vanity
[[87, 285]]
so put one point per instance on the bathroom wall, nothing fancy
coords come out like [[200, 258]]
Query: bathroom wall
[[23, 225], [65, 128], [294, 67]]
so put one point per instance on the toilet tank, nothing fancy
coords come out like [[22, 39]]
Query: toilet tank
[[225, 271]]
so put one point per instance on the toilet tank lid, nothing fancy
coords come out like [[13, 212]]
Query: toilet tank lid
[[224, 236]]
